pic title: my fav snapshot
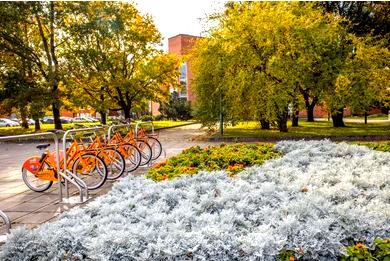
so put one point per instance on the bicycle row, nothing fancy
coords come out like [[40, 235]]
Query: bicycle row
[[93, 158]]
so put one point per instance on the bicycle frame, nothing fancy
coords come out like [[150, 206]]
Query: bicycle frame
[[35, 163]]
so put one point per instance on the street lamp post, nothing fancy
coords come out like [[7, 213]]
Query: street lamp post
[[220, 113]]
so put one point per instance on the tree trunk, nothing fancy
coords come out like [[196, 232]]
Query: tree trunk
[[37, 125], [337, 118], [282, 120], [264, 124], [56, 116], [309, 105], [294, 119], [126, 111], [103, 116], [310, 113], [23, 118], [365, 117]]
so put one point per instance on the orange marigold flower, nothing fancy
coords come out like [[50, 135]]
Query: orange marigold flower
[[158, 165], [360, 246], [291, 258]]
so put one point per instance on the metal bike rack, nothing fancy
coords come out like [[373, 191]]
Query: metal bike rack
[[66, 175], [140, 123], [113, 127], [56, 144], [7, 221], [136, 136], [79, 183]]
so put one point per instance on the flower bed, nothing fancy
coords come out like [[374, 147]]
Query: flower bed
[[315, 200], [378, 146], [232, 158]]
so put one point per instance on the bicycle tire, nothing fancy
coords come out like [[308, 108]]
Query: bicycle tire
[[114, 170], [99, 167], [29, 184], [156, 146], [133, 159], [146, 152]]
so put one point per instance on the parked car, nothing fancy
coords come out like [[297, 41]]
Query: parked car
[[29, 121], [7, 123], [66, 120], [48, 119], [92, 119], [84, 119]]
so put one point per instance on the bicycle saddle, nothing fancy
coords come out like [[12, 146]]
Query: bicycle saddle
[[43, 146]]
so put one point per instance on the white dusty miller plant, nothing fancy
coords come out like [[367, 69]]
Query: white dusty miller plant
[[316, 198]]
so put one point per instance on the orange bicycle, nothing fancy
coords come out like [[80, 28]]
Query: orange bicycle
[[143, 147], [113, 155], [39, 172], [153, 142]]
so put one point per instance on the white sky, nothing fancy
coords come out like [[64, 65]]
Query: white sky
[[173, 17]]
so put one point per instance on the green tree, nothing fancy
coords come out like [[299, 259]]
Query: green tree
[[176, 109], [271, 53], [40, 45], [115, 49]]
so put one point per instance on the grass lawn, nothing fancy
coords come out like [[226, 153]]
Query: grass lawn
[[166, 124], [308, 129], [370, 117], [5, 131]]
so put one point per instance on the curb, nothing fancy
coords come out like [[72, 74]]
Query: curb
[[274, 139], [39, 140], [171, 127]]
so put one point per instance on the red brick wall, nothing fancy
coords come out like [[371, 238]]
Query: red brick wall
[[180, 45], [320, 112]]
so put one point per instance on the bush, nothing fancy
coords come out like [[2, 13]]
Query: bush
[[147, 118], [159, 117], [378, 146], [232, 158], [176, 109], [360, 252]]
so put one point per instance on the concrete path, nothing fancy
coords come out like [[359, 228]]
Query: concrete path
[[28, 208]]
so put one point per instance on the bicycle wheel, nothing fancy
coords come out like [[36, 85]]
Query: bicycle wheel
[[114, 161], [146, 152], [132, 158], [91, 169], [156, 146], [34, 183]]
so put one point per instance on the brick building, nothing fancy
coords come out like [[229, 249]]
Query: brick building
[[181, 45]]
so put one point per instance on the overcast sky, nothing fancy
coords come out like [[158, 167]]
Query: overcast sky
[[173, 17]]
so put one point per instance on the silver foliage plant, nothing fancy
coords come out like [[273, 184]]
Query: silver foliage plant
[[316, 198]]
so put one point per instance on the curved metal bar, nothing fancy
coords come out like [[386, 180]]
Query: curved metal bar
[[13, 137], [143, 122], [112, 127], [7, 221], [79, 183], [53, 134]]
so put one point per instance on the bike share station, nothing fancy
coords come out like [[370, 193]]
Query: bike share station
[[65, 176]]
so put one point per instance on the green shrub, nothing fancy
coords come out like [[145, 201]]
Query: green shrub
[[147, 118], [232, 158], [378, 146], [359, 252], [176, 109]]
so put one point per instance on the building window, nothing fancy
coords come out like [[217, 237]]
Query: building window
[[183, 80]]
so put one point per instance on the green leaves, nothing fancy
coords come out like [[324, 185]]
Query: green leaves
[[115, 50], [232, 158], [263, 57]]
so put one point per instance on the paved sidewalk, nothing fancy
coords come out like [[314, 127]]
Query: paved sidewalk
[[28, 208]]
